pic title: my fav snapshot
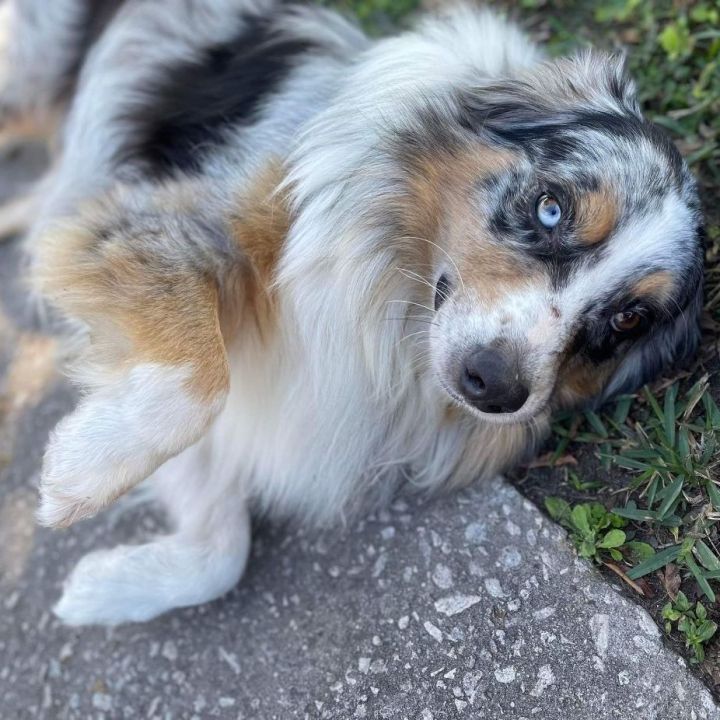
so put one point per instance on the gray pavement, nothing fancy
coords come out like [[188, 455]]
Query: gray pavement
[[468, 606]]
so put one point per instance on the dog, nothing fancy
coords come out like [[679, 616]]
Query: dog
[[307, 268]]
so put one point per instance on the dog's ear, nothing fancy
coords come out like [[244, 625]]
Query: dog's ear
[[549, 97]]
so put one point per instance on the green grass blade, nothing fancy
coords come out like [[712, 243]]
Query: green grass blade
[[632, 512], [641, 453], [672, 494], [709, 446], [630, 463], [700, 578], [669, 415], [622, 410], [693, 397], [606, 455], [712, 412], [562, 446], [656, 562], [714, 494], [596, 423], [672, 521], [652, 401], [706, 556], [683, 446], [652, 490]]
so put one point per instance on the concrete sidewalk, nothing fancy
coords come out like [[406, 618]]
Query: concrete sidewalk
[[468, 606]]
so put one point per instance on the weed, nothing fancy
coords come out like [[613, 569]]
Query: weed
[[595, 532], [693, 623]]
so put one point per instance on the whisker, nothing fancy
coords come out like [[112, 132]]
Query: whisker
[[410, 302], [410, 275], [414, 318], [415, 334], [449, 257]]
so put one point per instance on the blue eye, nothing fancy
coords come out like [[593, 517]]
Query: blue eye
[[549, 211]]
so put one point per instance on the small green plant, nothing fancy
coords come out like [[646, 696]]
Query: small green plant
[[595, 532], [580, 485], [693, 623]]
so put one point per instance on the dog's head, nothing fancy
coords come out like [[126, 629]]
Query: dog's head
[[565, 237], [549, 232]]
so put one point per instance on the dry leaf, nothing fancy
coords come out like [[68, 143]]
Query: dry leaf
[[670, 578], [546, 461]]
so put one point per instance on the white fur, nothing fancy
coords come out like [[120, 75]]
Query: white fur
[[29, 83], [116, 437], [203, 558]]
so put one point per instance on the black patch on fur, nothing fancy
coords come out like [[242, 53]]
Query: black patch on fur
[[539, 131], [196, 102]]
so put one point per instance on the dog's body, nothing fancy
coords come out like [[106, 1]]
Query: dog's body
[[309, 267]]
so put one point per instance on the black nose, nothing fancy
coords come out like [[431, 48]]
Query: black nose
[[491, 382]]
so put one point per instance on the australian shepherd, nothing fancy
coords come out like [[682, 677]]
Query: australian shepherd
[[305, 267]]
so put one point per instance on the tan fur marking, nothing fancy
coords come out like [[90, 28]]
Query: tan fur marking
[[138, 309], [448, 176], [259, 226], [583, 380], [31, 372], [442, 207], [597, 214], [658, 285], [28, 127], [261, 222]]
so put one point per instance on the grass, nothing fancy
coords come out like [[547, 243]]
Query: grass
[[637, 485], [667, 450]]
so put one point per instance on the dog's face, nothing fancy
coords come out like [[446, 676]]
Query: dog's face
[[569, 262]]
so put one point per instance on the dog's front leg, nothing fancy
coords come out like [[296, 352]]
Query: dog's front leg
[[203, 557], [155, 372]]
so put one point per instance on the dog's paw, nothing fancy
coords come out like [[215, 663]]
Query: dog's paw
[[116, 438], [87, 465], [60, 510], [108, 587], [136, 583]]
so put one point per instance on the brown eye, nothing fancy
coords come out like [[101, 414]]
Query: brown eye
[[626, 321]]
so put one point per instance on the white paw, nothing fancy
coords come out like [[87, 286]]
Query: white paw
[[104, 589], [135, 583], [84, 469], [115, 439], [60, 510]]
